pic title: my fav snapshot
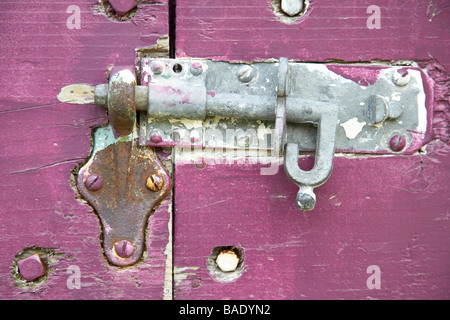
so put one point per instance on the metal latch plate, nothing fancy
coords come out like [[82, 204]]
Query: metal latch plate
[[367, 96]]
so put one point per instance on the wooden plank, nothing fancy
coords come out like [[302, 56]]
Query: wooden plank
[[44, 140], [250, 30], [390, 212]]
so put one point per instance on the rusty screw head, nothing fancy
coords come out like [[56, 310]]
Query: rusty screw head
[[397, 143], [93, 182], [155, 182], [31, 268], [124, 248]]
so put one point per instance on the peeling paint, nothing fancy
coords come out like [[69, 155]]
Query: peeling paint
[[77, 94], [168, 275], [352, 127], [182, 273], [159, 50]]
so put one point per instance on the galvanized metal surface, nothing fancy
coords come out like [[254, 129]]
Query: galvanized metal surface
[[325, 115], [124, 201], [231, 104]]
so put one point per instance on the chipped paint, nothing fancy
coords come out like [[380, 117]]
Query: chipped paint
[[159, 50], [182, 273], [352, 127], [168, 275], [77, 94]]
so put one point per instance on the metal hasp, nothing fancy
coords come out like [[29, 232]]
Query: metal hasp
[[285, 107], [122, 181]]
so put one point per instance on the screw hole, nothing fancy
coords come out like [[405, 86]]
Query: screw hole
[[216, 271], [177, 68]]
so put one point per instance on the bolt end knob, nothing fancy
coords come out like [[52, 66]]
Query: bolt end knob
[[305, 201]]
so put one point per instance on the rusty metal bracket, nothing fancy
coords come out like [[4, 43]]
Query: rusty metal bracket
[[122, 181]]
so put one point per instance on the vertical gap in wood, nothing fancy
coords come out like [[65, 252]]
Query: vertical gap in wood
[[172, 54], [172, 234], [172, 27]]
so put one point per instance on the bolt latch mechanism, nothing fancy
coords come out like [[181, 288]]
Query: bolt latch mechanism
[[296, 107], [306, 107]]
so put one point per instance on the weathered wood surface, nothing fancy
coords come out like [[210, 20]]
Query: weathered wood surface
[[250, 30], [43, 140], [392, 212]]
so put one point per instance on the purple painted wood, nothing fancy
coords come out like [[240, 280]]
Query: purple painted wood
[[250, 30], [391, 212], [43, 140]]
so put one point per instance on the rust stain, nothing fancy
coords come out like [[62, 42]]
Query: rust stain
[[124, 202]]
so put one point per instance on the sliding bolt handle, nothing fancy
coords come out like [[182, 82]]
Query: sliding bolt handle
[[325, 115]]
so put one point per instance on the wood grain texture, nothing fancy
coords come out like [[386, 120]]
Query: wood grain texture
[[250, 30], [43, 140], [392, 212]]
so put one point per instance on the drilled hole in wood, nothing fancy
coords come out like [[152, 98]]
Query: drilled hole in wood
[[177, 68], [104, 7], [276, 5], [33, 277], [226, 263]]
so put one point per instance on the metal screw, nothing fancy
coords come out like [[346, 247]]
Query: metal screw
[[227, 260], [156, 138], [196, 68], [31, 267], [122, 6], [93, 182], [124, 248], [401, 77], [157, 67], [397, 143], [155, 182], [245, 73], [292, 7]]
